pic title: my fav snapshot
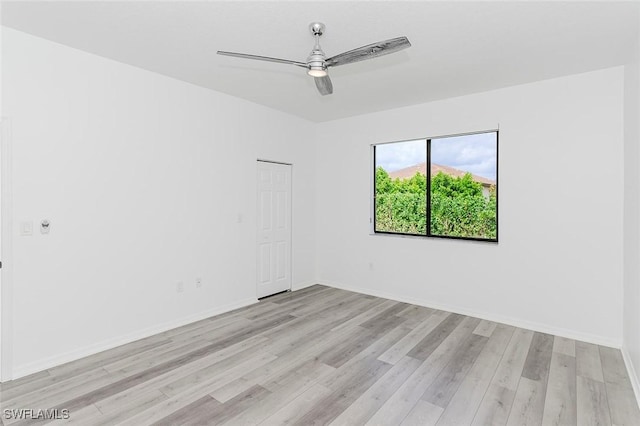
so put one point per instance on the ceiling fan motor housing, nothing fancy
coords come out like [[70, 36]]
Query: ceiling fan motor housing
[[316, 59]]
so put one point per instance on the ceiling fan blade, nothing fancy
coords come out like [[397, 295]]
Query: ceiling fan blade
[[324, 85], [369, 51], [262, 58]]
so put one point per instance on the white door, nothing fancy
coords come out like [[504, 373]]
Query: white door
[[274, 228]]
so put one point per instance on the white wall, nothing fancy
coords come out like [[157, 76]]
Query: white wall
[[558, 265], [631, 319], [143, 178]]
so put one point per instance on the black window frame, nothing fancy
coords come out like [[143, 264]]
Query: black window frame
[[428, 233]]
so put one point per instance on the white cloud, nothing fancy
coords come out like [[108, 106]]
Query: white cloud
[[472, 153], [396, 156], [476, 154]]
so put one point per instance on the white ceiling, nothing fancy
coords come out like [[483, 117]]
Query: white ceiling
[[457, 47]]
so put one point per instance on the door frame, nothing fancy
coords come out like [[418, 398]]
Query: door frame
[[262, 160], [6, 240]]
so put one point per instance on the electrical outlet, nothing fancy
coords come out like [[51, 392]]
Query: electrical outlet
[[180, 287], [198, 282]]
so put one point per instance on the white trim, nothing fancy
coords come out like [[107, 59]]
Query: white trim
[[631, 371], [372, 190], [450, 135], [291, 224], [300, 286], [6, 234], [60, 359], [542, 328]]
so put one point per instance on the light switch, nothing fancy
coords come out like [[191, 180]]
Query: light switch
[[26, 228], [45, 225]]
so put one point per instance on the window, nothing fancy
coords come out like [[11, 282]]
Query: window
[[438, 187]]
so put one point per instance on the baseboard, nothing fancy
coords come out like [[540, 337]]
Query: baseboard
[[56, 360], [300, 286], [542, 328], [633, 374]]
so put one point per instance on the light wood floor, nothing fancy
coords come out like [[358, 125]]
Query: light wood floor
[[325, 356]]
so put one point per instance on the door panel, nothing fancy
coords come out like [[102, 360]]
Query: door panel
[[265, 206], [265, 263], [274, 228]]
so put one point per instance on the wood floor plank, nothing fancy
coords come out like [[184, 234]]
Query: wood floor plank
[[283, 389], [536, 366], [345, 392], [167, 366], [56, 377], [430, 342], [322, 355], [340, 375], [304, 332], [222, 372], [463, 407], [498, 400], [446, 384], [485, 328], [49, 395], [323, 302], [623, 407], [588, 361], [180, 345], [196, 410], [423, 414], [305, 293], [528, 403], [118, 410], [284, 362], [495, 406], [375, 308], [252, 344], [5, 386], [346, 348], [564, 345], [404, 345], [511, 366], [385, 315], [88, 415], [104, 358], [415, 315], [592, 404], [49, 400], [560, 402], [405, 398], [222, 413], [362, 409], [295, 409], [350, 345]]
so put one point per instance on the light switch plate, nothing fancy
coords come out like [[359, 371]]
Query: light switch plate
[[26, 228]]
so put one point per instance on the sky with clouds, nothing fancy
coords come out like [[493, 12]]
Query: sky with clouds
[[472, 153]]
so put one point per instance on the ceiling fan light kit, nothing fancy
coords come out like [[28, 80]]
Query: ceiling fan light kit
[[317, 63]]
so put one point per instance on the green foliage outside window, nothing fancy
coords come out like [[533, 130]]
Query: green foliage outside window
[[458, 206]]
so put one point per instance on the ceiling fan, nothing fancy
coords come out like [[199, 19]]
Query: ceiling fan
[[317, 62]]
